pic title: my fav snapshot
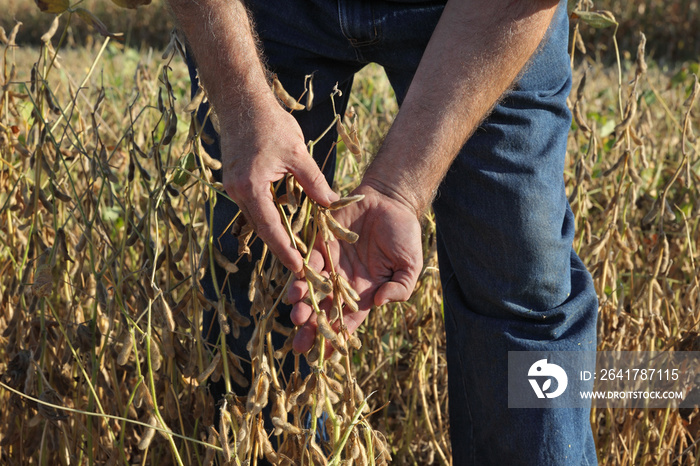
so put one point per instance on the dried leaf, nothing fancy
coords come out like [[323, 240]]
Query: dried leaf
[[596, 19], [93, 21], [55, 7]]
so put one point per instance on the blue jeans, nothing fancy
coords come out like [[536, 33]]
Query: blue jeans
[[511, 280]]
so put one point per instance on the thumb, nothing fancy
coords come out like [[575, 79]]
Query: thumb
[[398, 289], [312, 180]]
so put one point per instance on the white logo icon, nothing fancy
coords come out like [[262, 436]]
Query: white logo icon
[[542, 368]]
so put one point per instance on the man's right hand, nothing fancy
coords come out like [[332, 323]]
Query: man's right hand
[[260, 141], [259, 145]]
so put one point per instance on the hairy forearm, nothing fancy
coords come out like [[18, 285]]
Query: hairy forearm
[[473, 57], [220, 36]]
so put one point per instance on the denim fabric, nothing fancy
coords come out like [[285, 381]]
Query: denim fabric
[[511, 281]]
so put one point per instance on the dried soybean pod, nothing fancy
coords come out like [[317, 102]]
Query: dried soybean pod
[[314, 353], [62, 244], [171, 128], [354, 445], [333, 384], [208, 160], [201, 378], [148, 434], [286, 347], [175, 219], [221, 314], [180, 253], [132, 167], [579, 119], [127, 345], [196, 101], [294, 395], [339, 345], [352, 147], [380, 445], [346, 201], [267, 449], [210, 451], [58, 194], [170, 404], [309, 91], [298, 222], [334, 311], [344, 284], [340, 231], [354, 342], [349, 302], [161, 258], [237, 318], [168, 344], [289, 101], [156, 357], [48, 205], [318, 281], [305, 397], [167, 314], [51, 102], [237, 372], [291, 198], [337, 367], [317, 456], [224, 423], [144, 173], [323, 227], [131, 240], [282, 425], [223, 261], [13, 33], [301, 246], [325, 328], [257, 397], [333, 397]]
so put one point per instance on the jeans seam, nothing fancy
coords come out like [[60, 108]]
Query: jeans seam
[[472, 452], [345, 30]]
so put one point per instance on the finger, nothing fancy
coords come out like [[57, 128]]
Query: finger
[[312, 180], [352, 320], [299, 289], [306, 336], [398, 289], [268, 226], [300, 313]]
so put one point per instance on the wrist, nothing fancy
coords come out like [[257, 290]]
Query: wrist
[[406, 197]]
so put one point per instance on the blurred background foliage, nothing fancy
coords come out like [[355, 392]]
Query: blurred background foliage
[[671, 26]]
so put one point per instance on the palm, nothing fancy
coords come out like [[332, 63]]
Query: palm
[[382, 266]]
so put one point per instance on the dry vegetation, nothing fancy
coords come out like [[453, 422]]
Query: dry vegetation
[[104, 237]]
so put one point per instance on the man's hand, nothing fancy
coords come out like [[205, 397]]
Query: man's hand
[[260, 141], [382, 266], [260, 150]]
